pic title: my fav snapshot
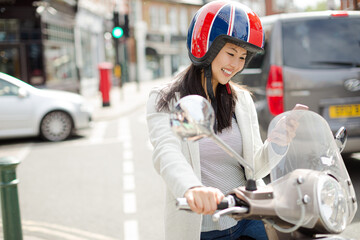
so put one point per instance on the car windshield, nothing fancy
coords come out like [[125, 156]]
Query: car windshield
[[322, 43]]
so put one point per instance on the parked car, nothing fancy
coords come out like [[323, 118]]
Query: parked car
[[310, 58], [29, 111]]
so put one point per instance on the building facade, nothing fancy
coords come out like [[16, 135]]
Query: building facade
[[350, 4], [55, 44], [160, 29], [37, 43]]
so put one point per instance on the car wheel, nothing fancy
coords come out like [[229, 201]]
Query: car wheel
[[56, 126]]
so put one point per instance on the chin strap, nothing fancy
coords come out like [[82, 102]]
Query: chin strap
[[210, 92], [228, 88]]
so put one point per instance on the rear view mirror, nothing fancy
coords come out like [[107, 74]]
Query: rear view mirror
[[341, 138], [193, 118], [22, 93]]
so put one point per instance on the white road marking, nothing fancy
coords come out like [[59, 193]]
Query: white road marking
[[129, 203], [127, 145], [66, 233], [131, 230], [86, 142], [129, 182], [127, 155], [128, 167]]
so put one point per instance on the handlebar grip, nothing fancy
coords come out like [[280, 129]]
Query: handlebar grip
[[227, 202]]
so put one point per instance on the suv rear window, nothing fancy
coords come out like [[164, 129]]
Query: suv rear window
[[322, 43]]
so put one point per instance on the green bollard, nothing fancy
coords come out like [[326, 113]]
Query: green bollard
[[9, 199]]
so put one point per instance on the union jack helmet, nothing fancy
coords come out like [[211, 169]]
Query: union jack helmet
[[219, 22]]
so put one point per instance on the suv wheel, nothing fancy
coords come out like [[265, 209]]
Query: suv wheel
[[56, 126]]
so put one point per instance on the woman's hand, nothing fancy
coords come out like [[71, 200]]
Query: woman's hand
[[285, 129], [203, 200]]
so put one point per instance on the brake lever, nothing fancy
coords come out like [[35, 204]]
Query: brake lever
[[232, 210]]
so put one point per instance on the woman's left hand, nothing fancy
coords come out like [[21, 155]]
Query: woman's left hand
[[285, 129]]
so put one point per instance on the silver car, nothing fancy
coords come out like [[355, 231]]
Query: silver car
[[314, 59], [29, 111]]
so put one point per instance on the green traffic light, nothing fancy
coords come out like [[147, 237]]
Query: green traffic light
[[117, 32]]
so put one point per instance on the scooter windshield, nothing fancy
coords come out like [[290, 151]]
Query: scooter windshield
[[311, 145]]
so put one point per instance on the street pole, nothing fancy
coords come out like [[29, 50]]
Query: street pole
[[9, 199]]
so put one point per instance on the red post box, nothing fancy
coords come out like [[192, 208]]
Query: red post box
[[105, 70]]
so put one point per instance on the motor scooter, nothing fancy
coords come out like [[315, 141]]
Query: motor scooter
[[310, 194]]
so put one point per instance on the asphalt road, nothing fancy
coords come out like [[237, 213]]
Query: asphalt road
[[101, 184]]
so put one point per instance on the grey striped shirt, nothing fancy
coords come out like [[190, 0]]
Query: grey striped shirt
[[221, 171]]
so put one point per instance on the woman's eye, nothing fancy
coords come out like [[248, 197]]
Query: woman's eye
[[242, 58], [231, 54]]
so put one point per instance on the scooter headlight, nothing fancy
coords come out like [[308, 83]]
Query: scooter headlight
[[332, 204]]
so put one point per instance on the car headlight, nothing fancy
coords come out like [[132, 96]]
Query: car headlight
[[332, 204]]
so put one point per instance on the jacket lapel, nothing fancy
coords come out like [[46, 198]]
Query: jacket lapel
[[244, 123]]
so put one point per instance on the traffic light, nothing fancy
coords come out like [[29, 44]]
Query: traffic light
[[125, 27], [117, 32], [120, 29]]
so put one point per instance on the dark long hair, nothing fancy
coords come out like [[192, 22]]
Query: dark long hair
[[190, 83]]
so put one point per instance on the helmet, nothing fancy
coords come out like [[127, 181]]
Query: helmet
[[219, 22]]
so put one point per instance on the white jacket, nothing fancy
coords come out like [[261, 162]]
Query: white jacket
[[178, 162]]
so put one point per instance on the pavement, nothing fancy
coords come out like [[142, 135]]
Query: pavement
[[123, 100]]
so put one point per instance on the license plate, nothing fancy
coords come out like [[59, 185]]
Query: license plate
[[344, 111]]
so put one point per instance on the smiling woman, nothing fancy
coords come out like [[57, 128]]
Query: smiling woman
[[222, 38]]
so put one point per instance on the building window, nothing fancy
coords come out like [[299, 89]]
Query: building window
[[88, 70], [173, 20], [184, 24], [9, 29], [157, 17], [59, 55]]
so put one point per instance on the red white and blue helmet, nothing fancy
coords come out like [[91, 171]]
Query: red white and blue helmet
[[219, 22]]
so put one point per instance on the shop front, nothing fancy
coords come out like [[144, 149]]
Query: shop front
[[37, 44]]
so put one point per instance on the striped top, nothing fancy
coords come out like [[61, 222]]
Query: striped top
[[221, 171]]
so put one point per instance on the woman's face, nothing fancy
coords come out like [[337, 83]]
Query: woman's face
[[229, 61]]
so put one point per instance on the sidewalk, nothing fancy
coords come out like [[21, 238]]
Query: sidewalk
[[123, 100]]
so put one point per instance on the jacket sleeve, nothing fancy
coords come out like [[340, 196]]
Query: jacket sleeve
[[168, 158]]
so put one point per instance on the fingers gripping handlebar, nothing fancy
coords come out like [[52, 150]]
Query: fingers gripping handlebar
[[229, 205]]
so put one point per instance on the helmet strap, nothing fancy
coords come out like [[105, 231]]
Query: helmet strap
[[210, 92], [228, 88]]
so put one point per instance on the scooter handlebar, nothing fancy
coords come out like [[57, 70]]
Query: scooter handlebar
[[227, 202]]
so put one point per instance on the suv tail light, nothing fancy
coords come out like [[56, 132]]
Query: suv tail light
[[275, 90], [340, 14]]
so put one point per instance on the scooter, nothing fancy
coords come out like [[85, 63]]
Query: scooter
[[310, 194]]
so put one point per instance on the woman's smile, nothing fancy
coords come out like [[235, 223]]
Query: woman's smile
[[227, 72]]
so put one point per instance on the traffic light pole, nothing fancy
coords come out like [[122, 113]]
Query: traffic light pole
[[117, 68]]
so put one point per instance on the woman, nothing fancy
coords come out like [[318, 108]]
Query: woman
[[222, 38]]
